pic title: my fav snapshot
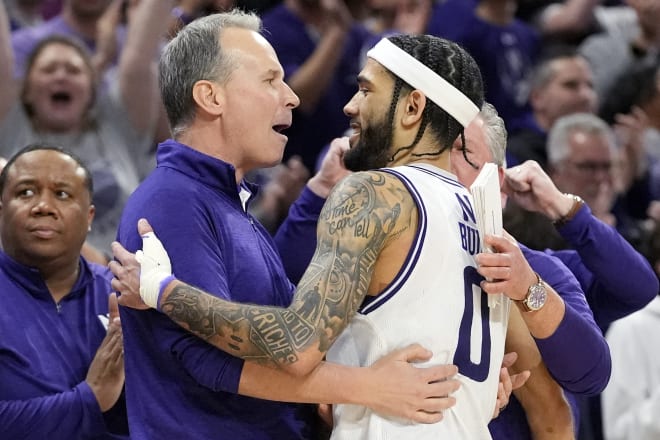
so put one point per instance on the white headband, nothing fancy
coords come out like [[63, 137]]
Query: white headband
[[435, 87]]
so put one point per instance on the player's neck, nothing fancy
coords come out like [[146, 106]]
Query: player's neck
[[428, 154]]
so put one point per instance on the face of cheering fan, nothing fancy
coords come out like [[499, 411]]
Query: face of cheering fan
[[59, 88]]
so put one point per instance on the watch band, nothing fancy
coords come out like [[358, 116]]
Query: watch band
[[538, 285], [577, 204]]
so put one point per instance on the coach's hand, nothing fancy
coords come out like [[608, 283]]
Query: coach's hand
[[141, 277]]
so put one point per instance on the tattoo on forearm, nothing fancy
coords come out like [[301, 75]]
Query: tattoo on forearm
[[355, 224]]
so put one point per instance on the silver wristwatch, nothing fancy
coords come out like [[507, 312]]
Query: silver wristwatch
[[536, 296]]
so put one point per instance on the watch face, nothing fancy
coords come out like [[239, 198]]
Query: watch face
[[536, 297]]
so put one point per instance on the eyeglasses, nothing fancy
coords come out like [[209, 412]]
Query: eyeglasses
[[592, 167]]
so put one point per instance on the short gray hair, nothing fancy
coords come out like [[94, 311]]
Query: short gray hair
[[557, 146], [495, 133], [193, 55]]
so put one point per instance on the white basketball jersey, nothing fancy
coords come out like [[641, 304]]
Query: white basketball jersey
[[435, 300]]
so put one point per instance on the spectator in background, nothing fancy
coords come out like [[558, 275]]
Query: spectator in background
[[319, 45], [390, 16], [562, 21], [78, 19], [51, 8], [504, 47], [61, 371], [635, 105], [24, 13], [562, 83], [584, 160], [186, 11], [632, 42], [59, 102]]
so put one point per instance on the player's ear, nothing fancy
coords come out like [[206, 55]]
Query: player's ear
[[414, 105]]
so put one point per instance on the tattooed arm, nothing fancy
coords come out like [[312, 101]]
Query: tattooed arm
[[364, 215]]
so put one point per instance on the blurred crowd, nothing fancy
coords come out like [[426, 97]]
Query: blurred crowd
[[577, 83]]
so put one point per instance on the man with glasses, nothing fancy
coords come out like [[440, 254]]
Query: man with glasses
[[581, 155]]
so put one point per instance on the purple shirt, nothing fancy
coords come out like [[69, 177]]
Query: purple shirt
[[296, 237], [616, 279], [177, 385], [576, 355], [45, 352]]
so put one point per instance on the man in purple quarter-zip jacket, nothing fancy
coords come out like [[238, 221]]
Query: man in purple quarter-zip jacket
[[61, 371], [227, 103]]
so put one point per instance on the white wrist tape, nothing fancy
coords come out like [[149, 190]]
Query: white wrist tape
[[155, 268], [150, 284]]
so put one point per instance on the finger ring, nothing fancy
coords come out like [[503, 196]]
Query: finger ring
[[517, 169]]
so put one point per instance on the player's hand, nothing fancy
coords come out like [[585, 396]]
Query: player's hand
[[155, 266], [324, 411], [418, 394], [126, 281], [151, 263], [508, 382]]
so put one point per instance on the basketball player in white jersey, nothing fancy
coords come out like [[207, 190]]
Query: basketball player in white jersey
[[394, 261]]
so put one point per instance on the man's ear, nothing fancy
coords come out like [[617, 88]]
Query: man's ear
[[209, 97], [413, 108], [536, 98]]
